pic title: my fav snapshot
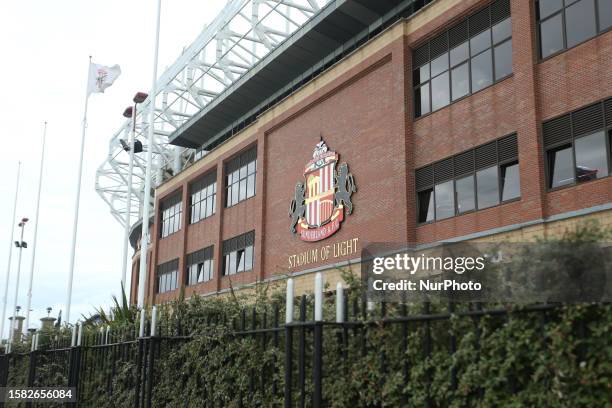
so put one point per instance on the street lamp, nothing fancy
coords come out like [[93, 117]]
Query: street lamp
[[21, 244], [135, 146]]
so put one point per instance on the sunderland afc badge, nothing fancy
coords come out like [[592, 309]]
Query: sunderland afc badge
[[317, 208]]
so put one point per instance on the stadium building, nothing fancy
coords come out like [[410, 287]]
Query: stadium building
[[389, 121]]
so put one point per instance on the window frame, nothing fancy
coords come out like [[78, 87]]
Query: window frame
[[168, 215], [232, 248], [204, 182], [235, 165], [566, 4], [167, 269], [202, 256], [499, 162], [491, 47], [607, 129]]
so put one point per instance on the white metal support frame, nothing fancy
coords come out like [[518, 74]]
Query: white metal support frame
[[238, 38]]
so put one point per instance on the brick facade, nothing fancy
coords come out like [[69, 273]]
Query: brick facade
[[363, 108]]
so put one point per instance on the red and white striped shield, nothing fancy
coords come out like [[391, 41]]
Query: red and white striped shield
[[320, 195]]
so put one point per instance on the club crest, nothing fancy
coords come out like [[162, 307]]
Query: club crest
[[317, 208]]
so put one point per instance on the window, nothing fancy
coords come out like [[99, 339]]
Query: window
[[476, 179], [510, 181], [200, 266], [482, 71], [240, 177], [171, 212], [560, 163], [577, 150], [445, 200], [460, 80], [167, 276], [566, 23], [605, 14], [591, 160], [488, 187], [466, 199], [426, 205], [238, 254], [203, 197], [460, 61]]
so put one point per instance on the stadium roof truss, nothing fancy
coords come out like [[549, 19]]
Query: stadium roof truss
[[239, 37]]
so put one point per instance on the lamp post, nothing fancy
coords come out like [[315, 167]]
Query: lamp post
[[130, 112], [21, 244]]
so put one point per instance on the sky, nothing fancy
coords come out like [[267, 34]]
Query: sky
[[45, 47]]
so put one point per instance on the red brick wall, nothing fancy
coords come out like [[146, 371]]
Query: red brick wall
[[365, 115]]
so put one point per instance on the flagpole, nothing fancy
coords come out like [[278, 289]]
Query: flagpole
[[40, 177], [147, 190], [8, 268], [128, 203], [76, 203]]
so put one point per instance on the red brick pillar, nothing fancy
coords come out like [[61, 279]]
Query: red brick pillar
[[406, 104], [218, 250], [531, 160]]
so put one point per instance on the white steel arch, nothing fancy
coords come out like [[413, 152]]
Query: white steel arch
[[240, 36]]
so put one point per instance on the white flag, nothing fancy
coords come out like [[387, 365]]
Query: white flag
[[101, 77]]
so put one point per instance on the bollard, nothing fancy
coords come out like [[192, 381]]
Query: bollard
[[339, 303], [80, 335], [318, 295], [289, 302], [74, 333], [153, 320], [142, 323]]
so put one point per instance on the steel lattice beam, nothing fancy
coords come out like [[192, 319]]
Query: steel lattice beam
[[240, 36]]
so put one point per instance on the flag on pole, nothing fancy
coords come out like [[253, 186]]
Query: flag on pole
[[101, 77]]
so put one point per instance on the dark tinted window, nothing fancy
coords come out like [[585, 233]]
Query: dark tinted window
[[488, 187], [440, 76], [421, 74], [426, 206], [551, 35], [580, 22], [560, 166], [439, 65], [459, 54], [605, 14], [503, 59], [564, 25], [445, 200], [460, 81], [548, 7], [472, 184], [465, 194], [511, 182], [482, 71], [502, 30], [440, 94], [591, 160], [576, 145], [421, 100], [480, 42]]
